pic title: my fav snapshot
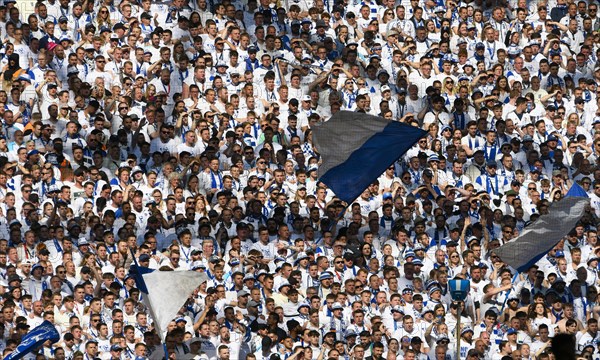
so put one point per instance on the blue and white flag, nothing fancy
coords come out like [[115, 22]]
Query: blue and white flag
[[357, 148], [34, 340], [540, 237], [165, 292]]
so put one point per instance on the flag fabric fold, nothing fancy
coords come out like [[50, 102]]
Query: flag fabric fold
[[34, 339], [357, 148], [165, 292], [540, 237], [576, 191]]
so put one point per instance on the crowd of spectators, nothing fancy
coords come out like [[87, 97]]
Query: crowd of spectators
[[178, 135]]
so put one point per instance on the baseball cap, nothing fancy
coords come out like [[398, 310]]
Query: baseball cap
[[144, 257]]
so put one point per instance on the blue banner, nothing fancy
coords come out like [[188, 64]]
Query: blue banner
[[35, 339]]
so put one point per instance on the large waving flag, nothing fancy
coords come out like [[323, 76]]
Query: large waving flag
[[165, 292], [541, 236], [357, 148], [34, 339]]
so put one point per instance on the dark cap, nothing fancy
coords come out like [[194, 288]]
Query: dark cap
[[22, 326]]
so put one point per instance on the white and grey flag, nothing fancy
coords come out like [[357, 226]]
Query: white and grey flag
[[540, 237]]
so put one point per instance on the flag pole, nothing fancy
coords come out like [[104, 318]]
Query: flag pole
[[458, 331], [133, 257], [166, 351]]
